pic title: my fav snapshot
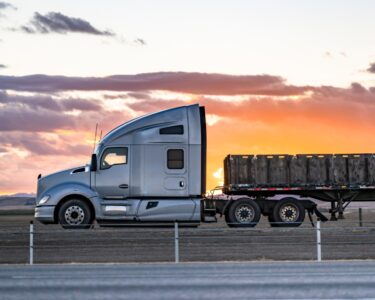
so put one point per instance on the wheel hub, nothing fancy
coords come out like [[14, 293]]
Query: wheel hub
[[74, 215], [289, 213], [244, 214]]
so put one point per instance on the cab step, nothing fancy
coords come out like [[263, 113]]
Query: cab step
[[210, 219]]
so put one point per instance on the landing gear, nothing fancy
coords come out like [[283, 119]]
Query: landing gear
[[333, 211], [339, 204]]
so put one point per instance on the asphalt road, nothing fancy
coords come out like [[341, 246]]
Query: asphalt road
[[287, 280]]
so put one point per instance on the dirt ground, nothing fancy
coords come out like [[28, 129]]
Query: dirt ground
[[343, 239]]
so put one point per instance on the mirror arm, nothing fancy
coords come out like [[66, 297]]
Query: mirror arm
[[94, 163]]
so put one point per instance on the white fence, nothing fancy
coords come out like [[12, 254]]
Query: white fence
[[279, 236], [36, 243]]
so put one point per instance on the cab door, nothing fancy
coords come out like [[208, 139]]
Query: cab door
[[175, 169], [112, 180]]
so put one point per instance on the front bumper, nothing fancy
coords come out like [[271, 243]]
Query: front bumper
[[45, 214]]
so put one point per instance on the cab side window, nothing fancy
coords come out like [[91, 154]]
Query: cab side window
[[175, 159], [114, 156], [178, 129]]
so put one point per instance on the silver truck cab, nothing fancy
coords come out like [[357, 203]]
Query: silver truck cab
[[150, 169]]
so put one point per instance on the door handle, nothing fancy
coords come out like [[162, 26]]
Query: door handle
[[123, 186], [182, 184]]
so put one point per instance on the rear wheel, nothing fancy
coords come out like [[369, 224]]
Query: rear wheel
[[288, 212], [75, 214], [243, 212]]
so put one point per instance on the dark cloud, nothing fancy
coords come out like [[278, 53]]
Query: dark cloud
[[115, 96], [5, 5], [152, 104], [50, 103], [26, 29], [371, 68], [183, 82], [358, 88], [264, 100], [142, 96], [140, 42], [42, 113], [55, 22], [343, 54], [80, 104], [39, 145], [26, 119], [46, 114]]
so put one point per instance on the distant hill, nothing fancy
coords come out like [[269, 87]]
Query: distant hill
[[16, 202], [30, 195]]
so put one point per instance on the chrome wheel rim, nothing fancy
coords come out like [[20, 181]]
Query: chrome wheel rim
[[244, 214], [74, 215], [289, 213]]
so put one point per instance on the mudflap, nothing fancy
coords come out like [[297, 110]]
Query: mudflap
[[320, 216]]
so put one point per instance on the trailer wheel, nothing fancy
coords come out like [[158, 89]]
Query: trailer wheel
[[75, 214], [243, 212], [288, 212]]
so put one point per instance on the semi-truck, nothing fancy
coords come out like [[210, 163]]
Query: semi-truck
[[152, 171]]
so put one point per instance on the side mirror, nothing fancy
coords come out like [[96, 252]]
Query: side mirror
[[94, 163]]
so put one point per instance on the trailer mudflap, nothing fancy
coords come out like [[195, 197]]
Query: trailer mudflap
[[321, 217]]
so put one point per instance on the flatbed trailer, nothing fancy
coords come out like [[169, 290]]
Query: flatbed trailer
[[336, 178]]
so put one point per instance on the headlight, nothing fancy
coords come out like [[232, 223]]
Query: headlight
[[44, 199]]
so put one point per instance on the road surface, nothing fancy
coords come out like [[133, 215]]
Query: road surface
[[257, 280]]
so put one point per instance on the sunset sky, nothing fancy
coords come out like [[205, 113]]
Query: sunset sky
[[275, 76]]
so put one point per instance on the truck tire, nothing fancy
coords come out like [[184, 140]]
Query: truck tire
[[75, 214], [288, 212], [243, 212]]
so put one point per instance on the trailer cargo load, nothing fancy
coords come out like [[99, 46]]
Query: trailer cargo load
[[301, 171]]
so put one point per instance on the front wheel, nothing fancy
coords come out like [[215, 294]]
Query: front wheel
[[243, 212], [75, 214]]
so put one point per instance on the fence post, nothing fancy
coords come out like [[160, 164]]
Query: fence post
[[360, 216], [176, 244], [31, 253], [318, 242]]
